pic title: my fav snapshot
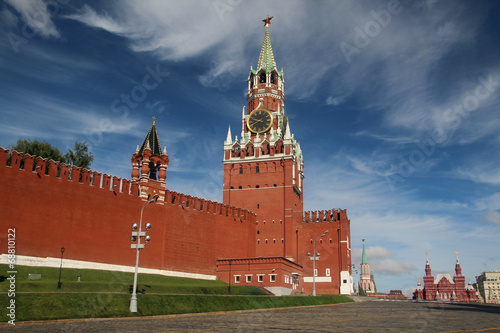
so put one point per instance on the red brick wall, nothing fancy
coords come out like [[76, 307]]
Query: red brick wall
[[93, 222], [335, 255]]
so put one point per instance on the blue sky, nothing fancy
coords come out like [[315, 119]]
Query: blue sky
[[394, 104]]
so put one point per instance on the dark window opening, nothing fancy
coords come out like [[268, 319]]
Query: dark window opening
[[262, 77], [257, 169], [257, 186], [239, 187], [240, 170]]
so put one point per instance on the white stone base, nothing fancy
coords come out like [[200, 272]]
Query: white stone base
[[279, 291], [70, 263]]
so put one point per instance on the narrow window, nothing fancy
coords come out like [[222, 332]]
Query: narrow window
[[257, 169], [236, 279], [249, 279], [260, 278], [272, 278], [240, 170]]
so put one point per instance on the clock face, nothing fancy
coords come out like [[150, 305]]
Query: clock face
[[260, 121]]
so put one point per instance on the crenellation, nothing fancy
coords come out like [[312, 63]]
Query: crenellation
[[15, 160], [40, 166], [75, 174], [96, 179], [106, 181], [29, 161], [116, 181], [64, 171], [126, 186], [4, 155], [53, 168], [86, 177]]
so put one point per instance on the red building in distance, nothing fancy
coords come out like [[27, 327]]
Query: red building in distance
[[445, 288]]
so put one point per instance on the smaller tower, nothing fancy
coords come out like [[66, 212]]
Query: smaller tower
[[149, 165], [366, 277], [459, 279], [430, 289]]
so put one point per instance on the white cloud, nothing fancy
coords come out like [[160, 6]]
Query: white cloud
[[334, 101], [36, 14], [90, 17], [493, 217], [486, 173], [391, 267]]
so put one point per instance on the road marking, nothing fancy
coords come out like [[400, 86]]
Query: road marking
[[479, 330]]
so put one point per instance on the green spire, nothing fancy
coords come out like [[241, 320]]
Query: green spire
[[266, 57], [363, 259]]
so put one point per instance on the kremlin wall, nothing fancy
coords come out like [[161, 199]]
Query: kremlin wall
[[92, 219], [259, 236]]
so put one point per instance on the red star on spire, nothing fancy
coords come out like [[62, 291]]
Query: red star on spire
[[267, 20]]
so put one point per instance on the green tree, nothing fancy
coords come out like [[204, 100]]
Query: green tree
[[37, 148], [80, 157]]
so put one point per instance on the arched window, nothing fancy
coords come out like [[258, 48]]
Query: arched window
[[273, 78], [256, 169], [262, 77], [240, 171]]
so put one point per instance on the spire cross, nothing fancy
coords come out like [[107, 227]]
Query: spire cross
[[267, 20]]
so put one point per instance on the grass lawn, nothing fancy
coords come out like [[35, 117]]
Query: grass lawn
[[107, 294]]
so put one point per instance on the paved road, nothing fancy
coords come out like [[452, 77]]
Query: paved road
[[372, 316]]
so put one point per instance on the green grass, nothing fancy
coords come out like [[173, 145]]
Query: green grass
[[115, 282], [103, 294]]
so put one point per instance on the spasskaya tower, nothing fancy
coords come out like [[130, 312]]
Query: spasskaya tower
[[264, 168]]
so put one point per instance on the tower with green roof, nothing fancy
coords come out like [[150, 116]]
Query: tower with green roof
[[263, 164], [366, 278]]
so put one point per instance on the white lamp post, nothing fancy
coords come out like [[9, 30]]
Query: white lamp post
[[138, 246], [314, 258]]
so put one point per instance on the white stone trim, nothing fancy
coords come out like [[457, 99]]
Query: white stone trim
[[70, 263], [309, 279]]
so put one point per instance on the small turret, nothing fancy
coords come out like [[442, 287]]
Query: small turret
[[149, 164]]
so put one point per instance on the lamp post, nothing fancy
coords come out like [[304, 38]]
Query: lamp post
[[229, 287], [60, 269], [138, 246], [314, 258]]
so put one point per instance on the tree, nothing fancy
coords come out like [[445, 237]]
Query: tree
[[37, 148], [80, 157]]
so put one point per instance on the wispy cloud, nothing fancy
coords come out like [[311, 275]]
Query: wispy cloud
[[35, 13]]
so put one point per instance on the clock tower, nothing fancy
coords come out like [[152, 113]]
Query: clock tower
[[264, 168]]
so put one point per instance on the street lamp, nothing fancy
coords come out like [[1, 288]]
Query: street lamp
[[229, 287], [314, 258], [136, 235], [60, 269]]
